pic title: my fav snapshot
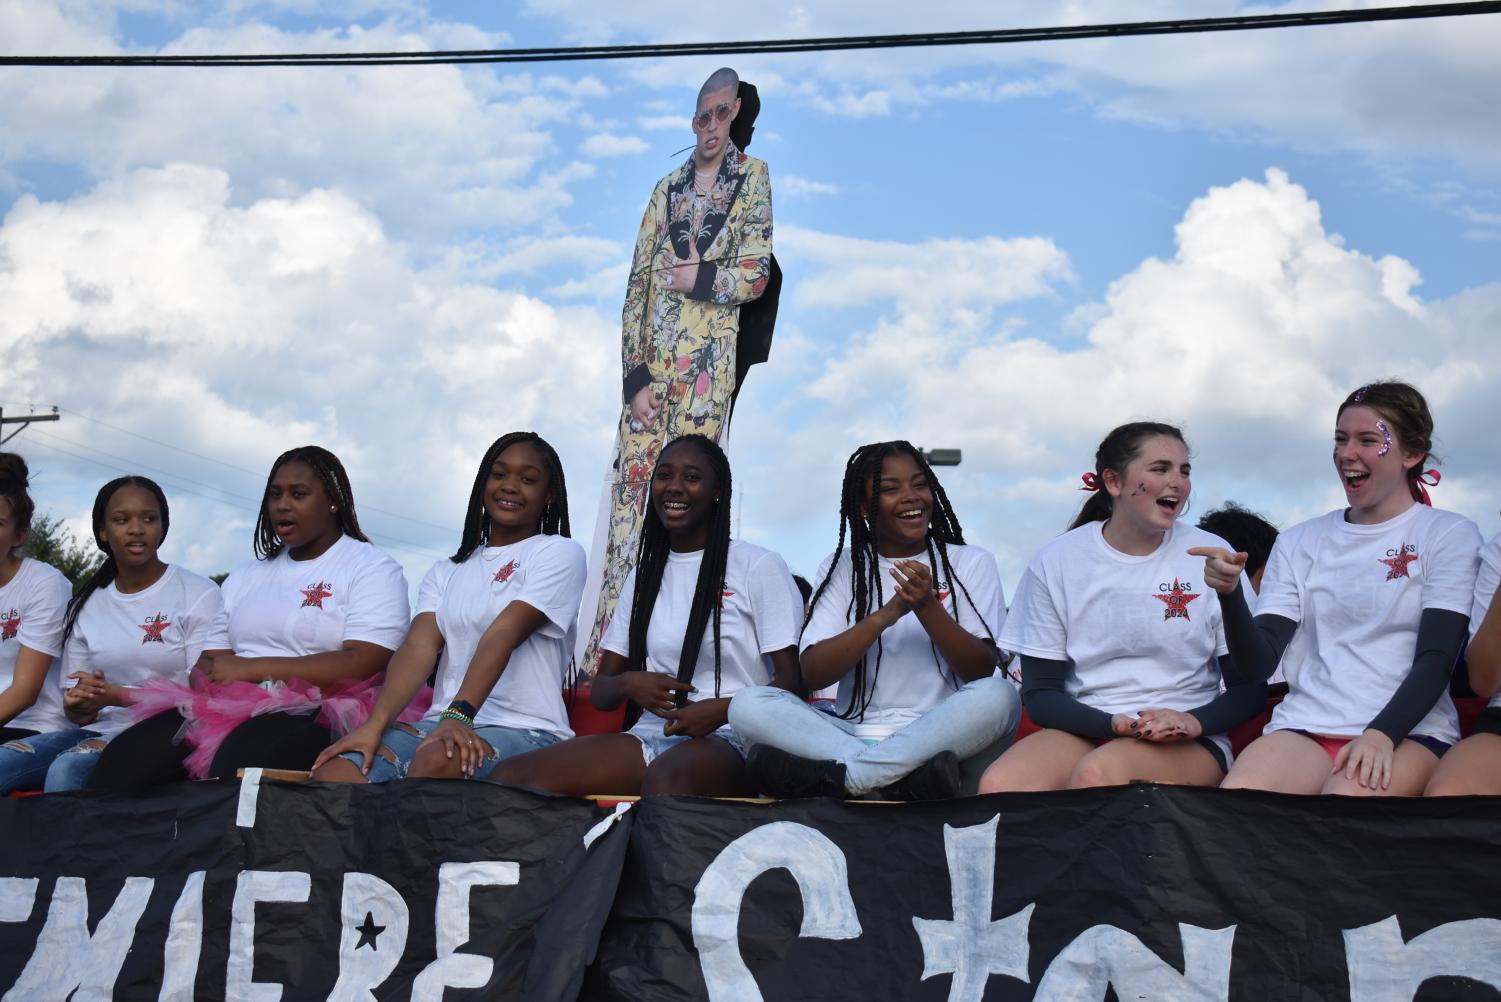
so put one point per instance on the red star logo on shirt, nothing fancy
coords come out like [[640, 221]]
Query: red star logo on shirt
[[10, 625], [1397, 566], [315, 594], [1176, 600], [154, 627], [504, 574]]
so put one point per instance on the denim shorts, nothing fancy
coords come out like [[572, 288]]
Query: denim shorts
[[648, 731], [402, 741]]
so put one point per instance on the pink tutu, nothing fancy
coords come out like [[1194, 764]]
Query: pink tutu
[[211, 711]]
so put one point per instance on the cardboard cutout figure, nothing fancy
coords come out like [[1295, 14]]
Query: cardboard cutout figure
[[703, 253]]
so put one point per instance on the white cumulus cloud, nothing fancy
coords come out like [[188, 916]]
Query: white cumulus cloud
[[1248, 337], [607, 144], [158, 304]]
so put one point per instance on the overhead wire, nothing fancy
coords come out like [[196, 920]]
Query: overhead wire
[[251, 505], [1235, 22], [254, 473]]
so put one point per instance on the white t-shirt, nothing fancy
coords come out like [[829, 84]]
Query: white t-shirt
[[1485, 590], [155, 633], [1137, 631], [32, 608], [761, 612], [545, 572], [913, 676], [289, 608], [1357, 593]]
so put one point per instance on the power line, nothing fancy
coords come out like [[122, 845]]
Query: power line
[[241, 469], [157, 441], [224, 498], [253, 502], [1250, 22]]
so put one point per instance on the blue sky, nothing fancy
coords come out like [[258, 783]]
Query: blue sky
[[1006, 249]]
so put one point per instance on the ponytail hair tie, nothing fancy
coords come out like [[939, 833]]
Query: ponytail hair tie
[[1091, 482], [1423, 478]]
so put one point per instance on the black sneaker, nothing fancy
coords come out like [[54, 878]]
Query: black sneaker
[[935, 779], [788, 776]]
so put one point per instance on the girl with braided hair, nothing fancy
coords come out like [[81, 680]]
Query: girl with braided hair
[[707, 617], [1122, 649], [312, 622], [905, 622], [497, 619]]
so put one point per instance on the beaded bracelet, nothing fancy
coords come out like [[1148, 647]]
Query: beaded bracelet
[[461, 717]]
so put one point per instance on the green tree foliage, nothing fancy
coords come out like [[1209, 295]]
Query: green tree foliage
[[52, 542]]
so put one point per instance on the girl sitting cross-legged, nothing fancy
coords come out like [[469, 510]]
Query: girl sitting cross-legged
[[904, 621]]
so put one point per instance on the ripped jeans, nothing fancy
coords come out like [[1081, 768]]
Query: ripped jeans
[[26, 763], [402, 740]]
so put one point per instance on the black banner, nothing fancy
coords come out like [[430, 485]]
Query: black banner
[[258, 892], [1133, 893], [446, 890]]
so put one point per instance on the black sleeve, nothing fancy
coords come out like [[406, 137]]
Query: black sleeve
[[703, 282], [1049, 705], [635, 381], [1256, 646], [1440, 634], [1242, 699]]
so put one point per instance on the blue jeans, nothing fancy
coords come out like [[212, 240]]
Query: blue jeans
[[648, 731], [968, 721], [25, 761], [71, 770], [402, 741]]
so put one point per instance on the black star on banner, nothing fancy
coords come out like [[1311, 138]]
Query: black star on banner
[[368, 931]]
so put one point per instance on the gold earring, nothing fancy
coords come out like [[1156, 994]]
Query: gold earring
[[333, 508]]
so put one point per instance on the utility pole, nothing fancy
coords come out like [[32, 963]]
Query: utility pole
[[23, 422]]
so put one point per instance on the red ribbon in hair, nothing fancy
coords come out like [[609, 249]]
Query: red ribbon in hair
[[1421, 479], [1091, 482]]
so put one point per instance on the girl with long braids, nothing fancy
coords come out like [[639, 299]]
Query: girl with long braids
[[1366, 609], [136, 619], [497, 618], [905, 622], [312, 622], [33, 603], [700, 618], [1122, 650]]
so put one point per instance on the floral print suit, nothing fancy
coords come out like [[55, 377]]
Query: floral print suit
[[682, 343]]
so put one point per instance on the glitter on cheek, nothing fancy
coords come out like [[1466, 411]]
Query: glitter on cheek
[[1386, 438]]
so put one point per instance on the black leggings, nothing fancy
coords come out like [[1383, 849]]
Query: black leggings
[[272, 741], [144, 756]]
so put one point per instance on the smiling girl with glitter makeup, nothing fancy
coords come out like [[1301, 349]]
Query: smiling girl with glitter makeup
[[1366, 608]]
